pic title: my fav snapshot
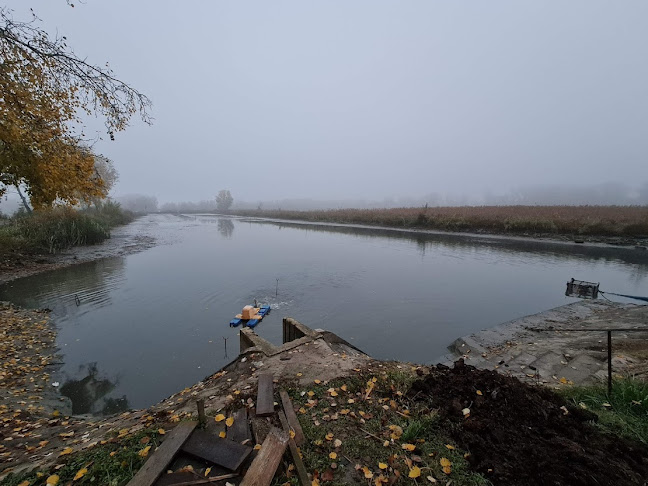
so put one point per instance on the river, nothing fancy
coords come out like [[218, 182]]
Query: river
[[138, 328]]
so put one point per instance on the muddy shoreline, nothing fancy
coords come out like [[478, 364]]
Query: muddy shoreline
[[124, 240], [563, 346]]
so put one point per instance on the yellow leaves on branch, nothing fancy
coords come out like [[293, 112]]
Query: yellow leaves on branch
[[46, 92]]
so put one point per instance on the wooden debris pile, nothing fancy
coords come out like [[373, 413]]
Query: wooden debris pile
[[244, 449]]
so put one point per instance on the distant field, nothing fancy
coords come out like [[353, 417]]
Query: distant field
[[591, 221]]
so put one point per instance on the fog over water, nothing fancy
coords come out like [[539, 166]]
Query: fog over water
[[374, 102]]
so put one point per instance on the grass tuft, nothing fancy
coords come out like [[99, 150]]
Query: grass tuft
[[624, 412]]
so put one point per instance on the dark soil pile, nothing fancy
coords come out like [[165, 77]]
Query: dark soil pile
[[518, 434]]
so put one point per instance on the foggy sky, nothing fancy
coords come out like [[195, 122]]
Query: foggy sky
[[369, 99]]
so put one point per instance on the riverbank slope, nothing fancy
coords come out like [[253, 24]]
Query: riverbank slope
[[390, 422]]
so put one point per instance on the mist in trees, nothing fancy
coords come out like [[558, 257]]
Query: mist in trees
[[138, 203]]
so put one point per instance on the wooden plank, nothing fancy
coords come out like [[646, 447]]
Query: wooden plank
[[240, 429], [190, 479], [302, 475], [157, 463], [265, 395], [221, 452], [263, 468], [293, 421]]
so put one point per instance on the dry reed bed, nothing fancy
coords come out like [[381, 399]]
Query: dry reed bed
[[625, 221]]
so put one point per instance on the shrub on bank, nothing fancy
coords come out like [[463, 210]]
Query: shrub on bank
[[56, 229], [53, 230]]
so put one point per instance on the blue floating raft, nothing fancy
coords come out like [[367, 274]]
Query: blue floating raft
[[263, 311]]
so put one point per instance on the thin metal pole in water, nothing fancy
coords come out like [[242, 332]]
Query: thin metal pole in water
[[609, 336], [277, 288], [225, 339]]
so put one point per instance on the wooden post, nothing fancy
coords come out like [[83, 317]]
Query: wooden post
[[302, 475], [609, 336], [201, 412]]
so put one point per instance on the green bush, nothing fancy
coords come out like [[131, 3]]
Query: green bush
[[110, 213]]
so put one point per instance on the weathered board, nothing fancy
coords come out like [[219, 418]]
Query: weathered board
[[240, 429], [222, 452], [264, 466], [189, 479], [265, 395], [157, 463], [297, 460], [293, 421]]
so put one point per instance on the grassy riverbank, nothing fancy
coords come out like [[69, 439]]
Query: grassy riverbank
[[53, 230], [569, 221]]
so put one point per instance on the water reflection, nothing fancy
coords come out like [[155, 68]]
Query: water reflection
[[87, 392], [70, 291], [225, 227], [158, 319], [509, 246]]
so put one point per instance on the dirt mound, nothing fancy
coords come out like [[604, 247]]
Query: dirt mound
[[519, 434]]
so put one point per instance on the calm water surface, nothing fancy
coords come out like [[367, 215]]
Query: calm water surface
[[149, 324]]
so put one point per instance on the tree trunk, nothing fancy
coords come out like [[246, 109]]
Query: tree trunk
[[24, 199]]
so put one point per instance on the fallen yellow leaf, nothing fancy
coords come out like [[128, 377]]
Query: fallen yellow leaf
[[24, 483], [292, 434], [317, 382], [315, 482], [222, 434], [409, 447], [257, 447], [337, 443], [52, 480], [207, 471], [333, 455], [415, 472], [144, 452], [161, 431], [66, 451], [219, 418], [80, 473], [329, 436], [382, 465], [367, 473], [449, 446], [479, 393], [230, 421], [445, 462]]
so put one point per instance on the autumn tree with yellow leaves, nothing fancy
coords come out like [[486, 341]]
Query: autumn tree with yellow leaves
[[45, 90]]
